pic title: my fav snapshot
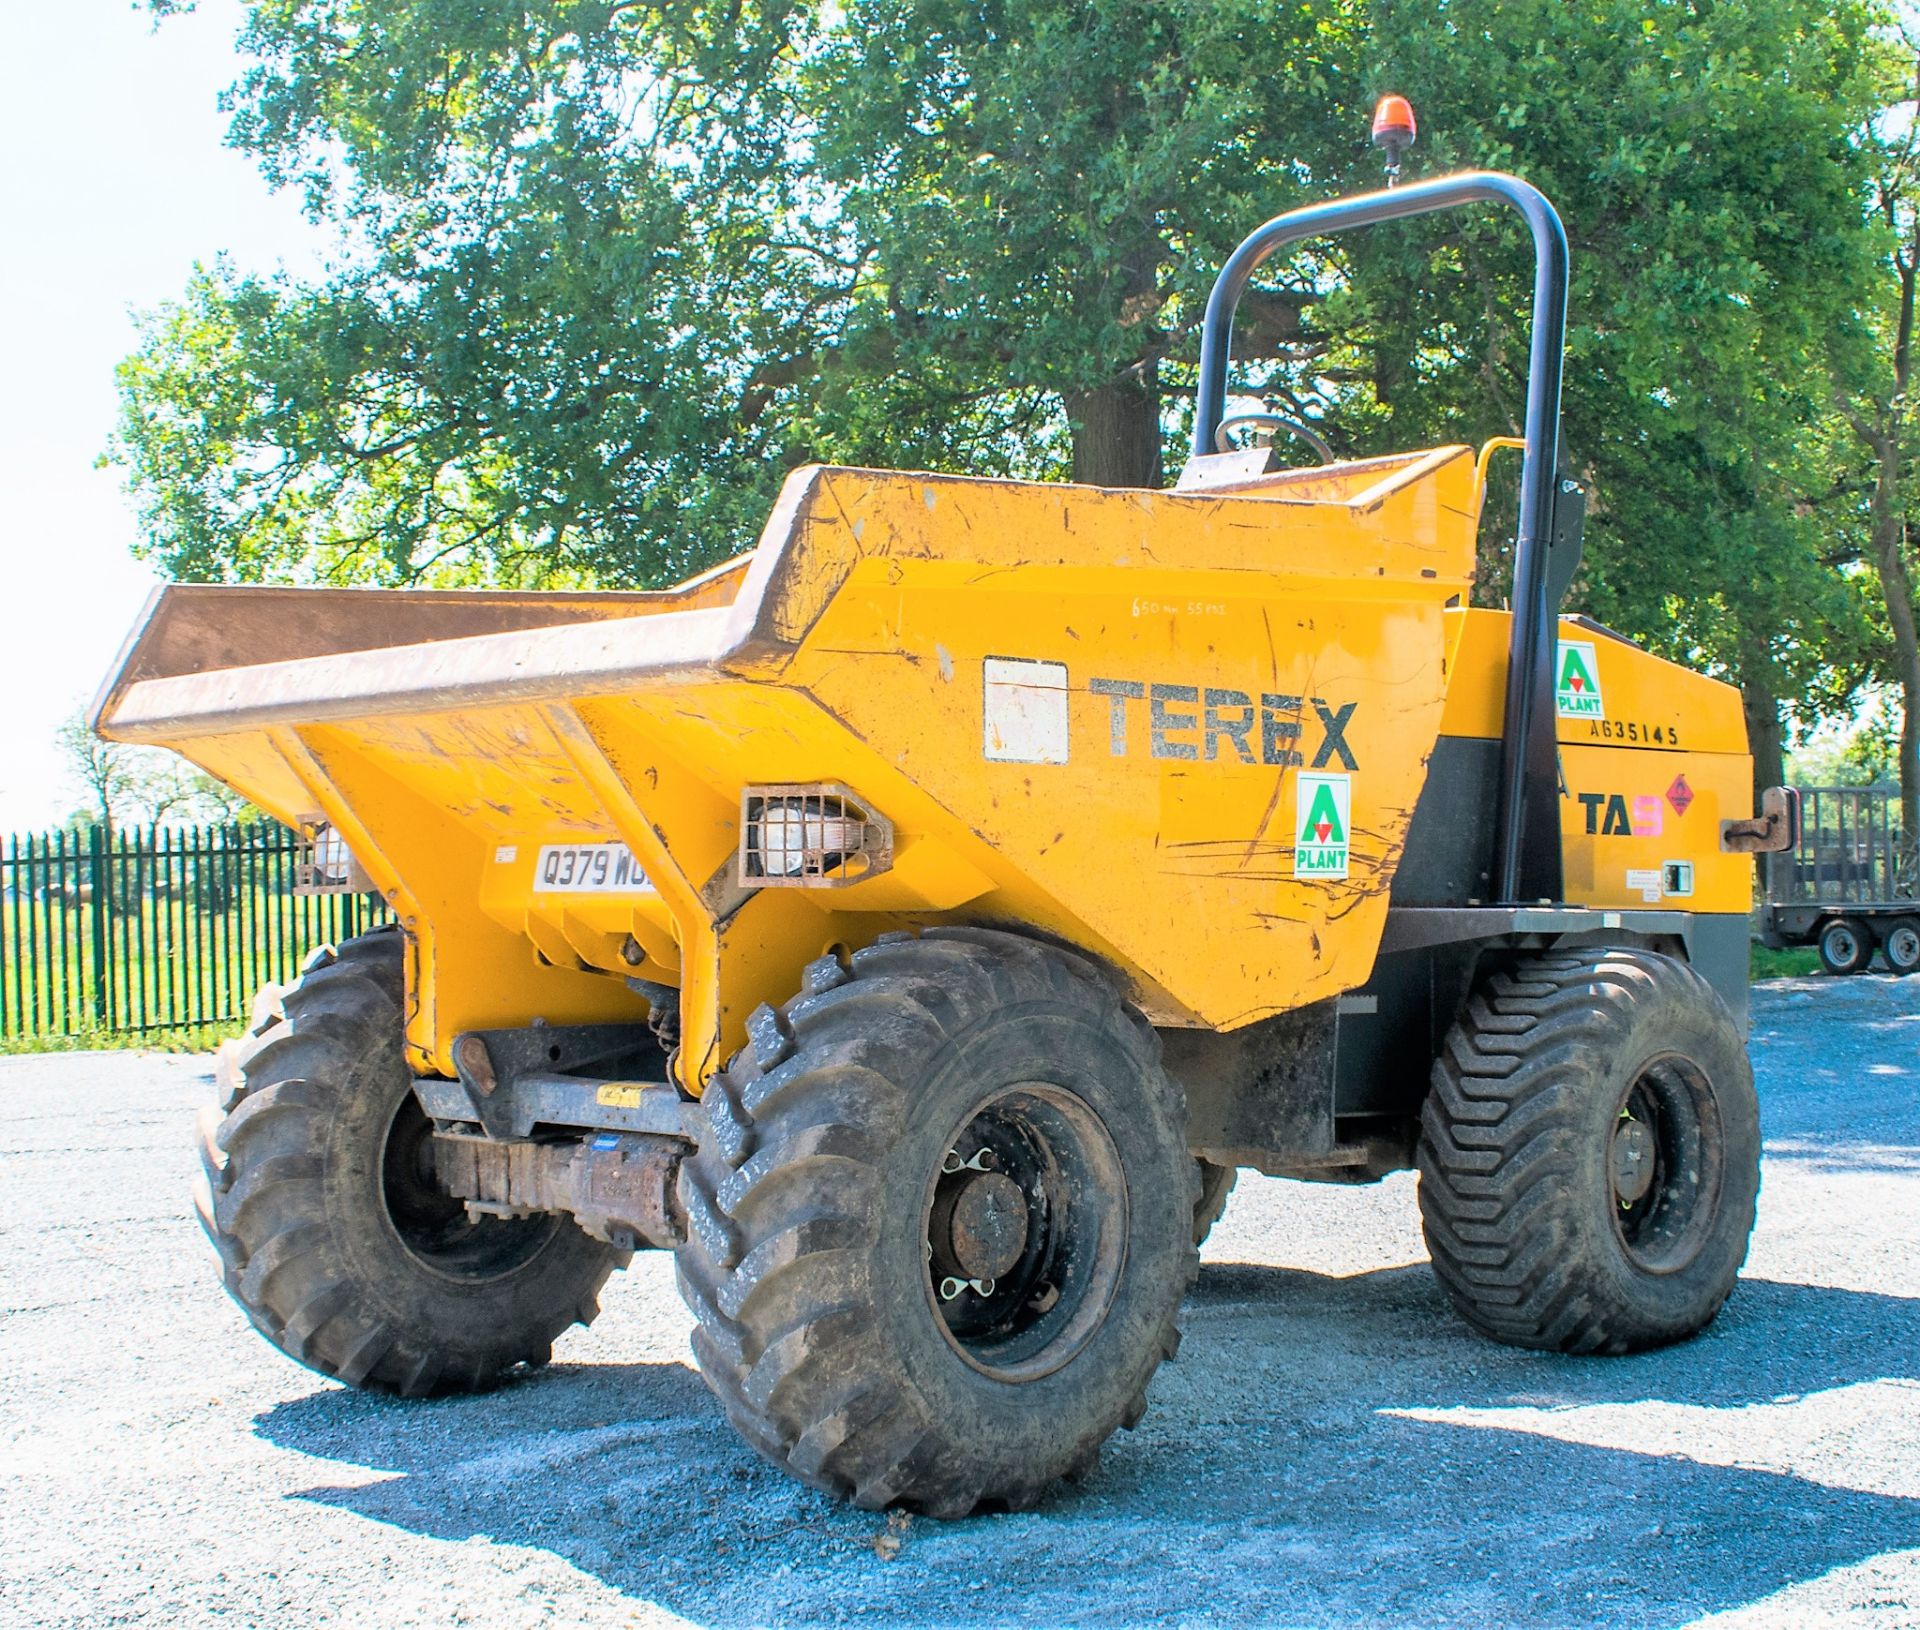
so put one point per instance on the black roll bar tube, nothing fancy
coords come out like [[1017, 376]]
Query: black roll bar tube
[[1527, 835]]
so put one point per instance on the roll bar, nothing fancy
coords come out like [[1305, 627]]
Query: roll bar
[[1527, 834]]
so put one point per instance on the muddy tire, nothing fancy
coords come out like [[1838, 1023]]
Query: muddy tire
[[1590, 1153], [338, 1249], [1216, 1184], [1845, 946], [941, 1223]]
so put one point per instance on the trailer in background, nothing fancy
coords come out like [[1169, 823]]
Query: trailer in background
[[1849, 887]]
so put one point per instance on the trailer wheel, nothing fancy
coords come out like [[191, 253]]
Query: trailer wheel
[[315, 1191], [1590, 1153], [941, 1223], [1901, 946], [1216, 1184], [1845, 946]]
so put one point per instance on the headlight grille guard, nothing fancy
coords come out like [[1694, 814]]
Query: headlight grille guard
[[811, 835]]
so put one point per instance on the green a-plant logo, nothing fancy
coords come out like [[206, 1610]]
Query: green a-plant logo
[[1576, 682], [1324, 809]]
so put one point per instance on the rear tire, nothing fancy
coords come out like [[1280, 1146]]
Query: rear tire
[[1590, 1153], [965, 1104], [331, 1236], [1901, 947], [1845, 946], [1216, 1185]]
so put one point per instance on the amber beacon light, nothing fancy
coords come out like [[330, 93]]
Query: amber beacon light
[[1394, 128]]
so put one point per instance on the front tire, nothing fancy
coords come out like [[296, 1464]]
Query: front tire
[[1590, 1153], [1845, 946], [941, 1224], [315, 1190]]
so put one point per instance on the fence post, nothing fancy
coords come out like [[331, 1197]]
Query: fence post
[[97, 874]]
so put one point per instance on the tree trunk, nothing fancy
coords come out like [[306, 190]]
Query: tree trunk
[[1897, 586], [1116, 432], [1765, 738]]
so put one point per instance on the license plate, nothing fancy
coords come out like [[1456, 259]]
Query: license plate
[[589, 868]]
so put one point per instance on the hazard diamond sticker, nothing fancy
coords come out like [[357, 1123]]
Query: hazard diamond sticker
[[1325, 806], [1576, 681], [1680, 795]]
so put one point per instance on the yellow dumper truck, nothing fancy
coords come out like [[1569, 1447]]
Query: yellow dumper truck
[[915, 923]]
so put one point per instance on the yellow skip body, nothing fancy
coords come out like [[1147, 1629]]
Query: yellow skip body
[[1092, 712]]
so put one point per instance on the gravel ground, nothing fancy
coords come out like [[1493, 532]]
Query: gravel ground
[[1331, 1448]]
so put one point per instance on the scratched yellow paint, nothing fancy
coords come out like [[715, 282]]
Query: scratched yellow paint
[[1101, 714]]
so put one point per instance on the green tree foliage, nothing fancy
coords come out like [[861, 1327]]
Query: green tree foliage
[[608, 270], [1872, 357]]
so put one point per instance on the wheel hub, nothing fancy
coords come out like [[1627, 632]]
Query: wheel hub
[[1025, 1231], [987, 1231], [1633, 1161]]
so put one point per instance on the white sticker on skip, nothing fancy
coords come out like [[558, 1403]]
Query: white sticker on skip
[[1646, 884], [1024, 711]]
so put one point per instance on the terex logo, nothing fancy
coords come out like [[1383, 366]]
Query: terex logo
[[1186, 721]]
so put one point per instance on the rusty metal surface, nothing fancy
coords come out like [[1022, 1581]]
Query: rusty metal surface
[[987, 1225], [1775, 829], [619, 1187], [610, 1077], [476, 1064]]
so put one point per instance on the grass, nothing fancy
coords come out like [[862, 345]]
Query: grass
[[1795, 962], [199, 1038]]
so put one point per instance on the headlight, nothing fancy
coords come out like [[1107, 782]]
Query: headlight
[[813, 836]]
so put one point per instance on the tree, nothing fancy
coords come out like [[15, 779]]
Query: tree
[[127, 784], [105, 769], [1872, 360]]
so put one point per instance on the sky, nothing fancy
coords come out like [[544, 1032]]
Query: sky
[[114, 181]]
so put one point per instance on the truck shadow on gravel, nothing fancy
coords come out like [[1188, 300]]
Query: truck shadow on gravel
[[1274, 1479]]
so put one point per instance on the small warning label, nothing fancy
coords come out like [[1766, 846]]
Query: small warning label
[[1680, 795], [1644, 883]]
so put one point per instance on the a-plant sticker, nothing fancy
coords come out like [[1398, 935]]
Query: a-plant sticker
[[1576, 682], [1325, 806]]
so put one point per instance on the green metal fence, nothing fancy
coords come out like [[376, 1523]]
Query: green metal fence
[[159, 928]]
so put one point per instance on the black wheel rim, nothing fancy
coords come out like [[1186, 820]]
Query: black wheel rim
[[433, 1227], [1025, 1224], [1666, 1159]]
